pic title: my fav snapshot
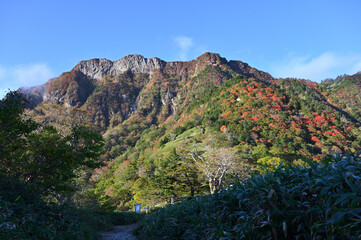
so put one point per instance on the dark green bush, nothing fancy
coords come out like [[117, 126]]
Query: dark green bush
[[185, 220], [124, 218], [320, 202], [25, 215]]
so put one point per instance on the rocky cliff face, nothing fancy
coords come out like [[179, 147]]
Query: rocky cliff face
[[110, 90], [98, 68], [70, 89]]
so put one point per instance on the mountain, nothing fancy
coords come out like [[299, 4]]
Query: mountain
[[108, 90], [151, 111]]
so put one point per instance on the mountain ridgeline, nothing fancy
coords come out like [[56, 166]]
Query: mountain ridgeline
[[154, 113], [107, 89]]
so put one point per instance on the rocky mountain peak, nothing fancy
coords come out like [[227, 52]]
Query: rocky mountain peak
[[209, 58], [98, 68], [95, 68], [75, 87], [137, 64]]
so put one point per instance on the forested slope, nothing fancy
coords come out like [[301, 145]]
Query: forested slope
[[168, 125]]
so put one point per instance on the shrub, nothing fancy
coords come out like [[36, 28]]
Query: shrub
[[24, 215], [319, 202]]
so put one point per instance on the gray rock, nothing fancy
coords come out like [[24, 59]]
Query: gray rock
[[98, 68], [95, 68]]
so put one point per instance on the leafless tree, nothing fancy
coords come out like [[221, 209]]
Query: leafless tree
[[217, 164]]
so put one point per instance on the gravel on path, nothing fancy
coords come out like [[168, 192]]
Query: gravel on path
[[123, 232]]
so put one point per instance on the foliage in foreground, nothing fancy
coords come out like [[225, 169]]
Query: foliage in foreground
[[36, 164], [39, 155], [319, 202], [24, 215]]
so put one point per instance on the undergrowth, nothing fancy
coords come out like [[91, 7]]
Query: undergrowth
[[322, 201], [25, 215]]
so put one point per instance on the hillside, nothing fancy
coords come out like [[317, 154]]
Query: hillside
[[154, 115]]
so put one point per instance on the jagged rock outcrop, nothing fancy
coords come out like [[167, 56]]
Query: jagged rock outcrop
[[95, 68], [98, 68]]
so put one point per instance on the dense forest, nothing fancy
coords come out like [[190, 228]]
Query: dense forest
[[41, 170], [210, 132]]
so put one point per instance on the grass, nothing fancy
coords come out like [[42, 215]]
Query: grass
[[187, 136]]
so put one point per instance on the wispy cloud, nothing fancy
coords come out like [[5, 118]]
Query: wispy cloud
[[30, 75], [23, 76], [26, 75], [184, 44], [317, 68], [357, 67]]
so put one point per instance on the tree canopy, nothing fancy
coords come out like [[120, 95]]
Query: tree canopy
[[38, 154]]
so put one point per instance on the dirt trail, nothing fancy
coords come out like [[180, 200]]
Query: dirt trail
[[123, 232]]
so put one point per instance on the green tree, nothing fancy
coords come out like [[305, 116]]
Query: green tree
[[186, 172], [178, 175], [13, 131], [269, 163], [39, 155], [260, 151]]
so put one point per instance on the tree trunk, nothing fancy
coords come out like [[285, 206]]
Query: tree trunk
[[212, 186]]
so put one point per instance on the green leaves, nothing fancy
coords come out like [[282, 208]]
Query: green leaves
[[36, 161], [39, 155], [320, 202]]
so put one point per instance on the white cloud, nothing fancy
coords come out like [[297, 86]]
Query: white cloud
[[23, 76], [184, 44], [30, 75], [356, 68], [326, 65]]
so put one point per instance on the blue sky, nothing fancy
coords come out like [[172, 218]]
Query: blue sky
[[315, 39]]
